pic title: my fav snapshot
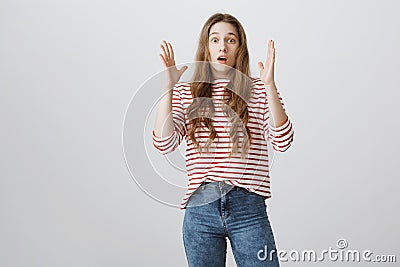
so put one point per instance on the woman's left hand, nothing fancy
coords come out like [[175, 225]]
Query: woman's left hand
[[267, 71]]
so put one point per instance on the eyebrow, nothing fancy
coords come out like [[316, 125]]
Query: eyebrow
[[229, 33]]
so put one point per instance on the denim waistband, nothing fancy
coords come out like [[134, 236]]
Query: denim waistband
[[209, 192], [221, 184]]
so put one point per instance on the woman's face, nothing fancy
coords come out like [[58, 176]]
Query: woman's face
[[223, 43]]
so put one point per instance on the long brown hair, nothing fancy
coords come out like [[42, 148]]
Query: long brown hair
[[237, 91]]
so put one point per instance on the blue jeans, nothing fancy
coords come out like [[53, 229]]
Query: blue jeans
[[217, 211]]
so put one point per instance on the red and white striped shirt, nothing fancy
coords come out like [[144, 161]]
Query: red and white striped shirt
[[251, 172]]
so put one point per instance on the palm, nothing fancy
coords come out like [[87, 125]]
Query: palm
[[169, 62], [267, 71]]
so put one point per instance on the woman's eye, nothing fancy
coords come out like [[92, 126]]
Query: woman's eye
[[214, 40], [231, 40]]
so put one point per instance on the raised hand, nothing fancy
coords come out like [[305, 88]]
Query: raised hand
[[168, 60], [267, 71]]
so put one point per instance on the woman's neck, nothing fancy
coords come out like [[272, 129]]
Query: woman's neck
[[220, 75]]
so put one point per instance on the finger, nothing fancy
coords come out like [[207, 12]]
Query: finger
[[172, 51], [164, 51], [260, 66], [171, 54], [163, 60], [183, 69], [273, 59], [167, 49], [273, 49], [272, 54], [268, 51]]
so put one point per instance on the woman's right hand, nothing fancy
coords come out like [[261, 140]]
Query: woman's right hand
[[168, 60]]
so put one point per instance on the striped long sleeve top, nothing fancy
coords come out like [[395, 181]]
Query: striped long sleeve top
[[252, 172]]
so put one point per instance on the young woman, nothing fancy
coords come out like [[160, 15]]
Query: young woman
[[224, 116]]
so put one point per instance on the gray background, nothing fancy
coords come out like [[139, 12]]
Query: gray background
[[69, 69]]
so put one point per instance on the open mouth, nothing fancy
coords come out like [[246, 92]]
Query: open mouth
[[222, 60]]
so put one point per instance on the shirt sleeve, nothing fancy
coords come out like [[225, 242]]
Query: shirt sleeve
[[280, 137], [169, 143]]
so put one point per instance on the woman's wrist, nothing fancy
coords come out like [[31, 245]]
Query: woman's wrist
[[168, 87], [269, 85]]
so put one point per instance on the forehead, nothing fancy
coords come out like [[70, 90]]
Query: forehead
[[223, 28]]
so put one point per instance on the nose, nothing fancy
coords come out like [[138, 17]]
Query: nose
[[222, 48]]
